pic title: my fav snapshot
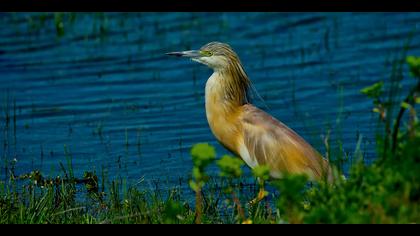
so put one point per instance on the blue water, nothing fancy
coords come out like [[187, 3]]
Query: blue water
[[103, 87]]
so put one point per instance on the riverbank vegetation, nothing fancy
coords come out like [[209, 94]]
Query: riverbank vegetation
[[385, 191]]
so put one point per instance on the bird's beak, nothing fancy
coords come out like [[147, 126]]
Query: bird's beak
[[189, 54]]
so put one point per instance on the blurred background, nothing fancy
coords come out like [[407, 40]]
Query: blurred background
[[97, 88]]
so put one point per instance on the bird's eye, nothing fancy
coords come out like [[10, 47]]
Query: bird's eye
[[206, 53]]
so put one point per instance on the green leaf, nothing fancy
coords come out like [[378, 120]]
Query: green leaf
[[196, 173], [405, 105], [193, 185], [414, 65], [418, 100], [173, 211], [262, 172], [202, 154], [373, 91], [230, 166]]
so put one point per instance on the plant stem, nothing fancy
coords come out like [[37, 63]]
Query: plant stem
[[409, 99], [198, 206]]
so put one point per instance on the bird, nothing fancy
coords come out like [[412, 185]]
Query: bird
[[247, 131]]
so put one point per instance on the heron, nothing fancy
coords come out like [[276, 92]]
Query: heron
[[246, 130]]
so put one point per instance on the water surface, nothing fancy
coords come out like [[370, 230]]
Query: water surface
[[101, 85]]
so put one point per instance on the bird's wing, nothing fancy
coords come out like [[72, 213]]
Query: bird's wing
[[270, 142]]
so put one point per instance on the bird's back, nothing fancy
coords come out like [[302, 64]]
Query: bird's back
[[266, 141]]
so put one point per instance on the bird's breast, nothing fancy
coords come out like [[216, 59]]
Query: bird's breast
[[223, 127], [222, 117]]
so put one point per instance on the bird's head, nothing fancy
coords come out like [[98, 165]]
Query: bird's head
[[216, 55], [222, 59]]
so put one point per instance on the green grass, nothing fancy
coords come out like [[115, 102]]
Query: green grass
[[386, 191]]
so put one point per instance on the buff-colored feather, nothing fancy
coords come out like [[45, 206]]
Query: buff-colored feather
[[252, 134]]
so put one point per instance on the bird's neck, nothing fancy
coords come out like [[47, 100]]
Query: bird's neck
[[221, 111], [229, 86], [226, 93], [219, 94]]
